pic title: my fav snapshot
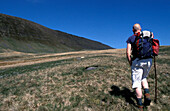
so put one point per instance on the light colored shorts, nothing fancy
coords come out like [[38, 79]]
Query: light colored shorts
[[140, 69]]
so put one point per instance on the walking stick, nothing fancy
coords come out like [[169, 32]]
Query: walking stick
[[155, 80]]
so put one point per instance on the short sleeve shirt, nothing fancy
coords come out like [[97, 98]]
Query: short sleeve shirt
[[131, 39]]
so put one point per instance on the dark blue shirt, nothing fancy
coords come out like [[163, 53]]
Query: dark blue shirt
[[131, 39]]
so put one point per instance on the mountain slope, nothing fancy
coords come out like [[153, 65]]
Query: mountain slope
[[61, 81], [26, 36]]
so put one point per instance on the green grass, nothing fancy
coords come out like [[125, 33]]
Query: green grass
[[164, 49], [163, 61], [67, 85], [30, 68], [28, 46]]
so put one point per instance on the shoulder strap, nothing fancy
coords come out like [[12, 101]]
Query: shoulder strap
[[150, 34], [137, 37]]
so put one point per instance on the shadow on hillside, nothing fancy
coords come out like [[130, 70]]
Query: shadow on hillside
[[125, 92]]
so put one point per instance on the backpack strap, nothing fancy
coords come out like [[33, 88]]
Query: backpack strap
[[135, 44], [151, 34]]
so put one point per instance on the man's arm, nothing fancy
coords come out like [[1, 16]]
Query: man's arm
[[128, 53]]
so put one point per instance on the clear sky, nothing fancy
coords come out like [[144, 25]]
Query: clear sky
[[106, 21]]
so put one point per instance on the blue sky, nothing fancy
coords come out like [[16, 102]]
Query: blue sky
[[106, 21]]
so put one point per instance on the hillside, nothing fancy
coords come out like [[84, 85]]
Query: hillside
[[25, 36], [77, 81]]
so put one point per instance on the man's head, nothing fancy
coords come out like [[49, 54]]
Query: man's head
[[136, 28]]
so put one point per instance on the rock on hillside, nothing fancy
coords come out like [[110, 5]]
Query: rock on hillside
[[23, 35]]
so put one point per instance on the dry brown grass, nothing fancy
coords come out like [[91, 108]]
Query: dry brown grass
[[60, 82], [30, 59]]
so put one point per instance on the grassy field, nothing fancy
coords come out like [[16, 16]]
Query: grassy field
[[61, 81]]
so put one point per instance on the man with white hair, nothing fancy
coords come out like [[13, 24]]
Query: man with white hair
[[140, 67]]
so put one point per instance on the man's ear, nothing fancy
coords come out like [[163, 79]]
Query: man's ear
[[133, 30]]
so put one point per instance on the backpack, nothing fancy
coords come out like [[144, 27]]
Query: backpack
[[155, 47], [143, 45]]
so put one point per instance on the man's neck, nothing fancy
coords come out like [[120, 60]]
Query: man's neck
[[137, 31]]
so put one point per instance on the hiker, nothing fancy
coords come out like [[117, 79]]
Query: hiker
[[140, 67]]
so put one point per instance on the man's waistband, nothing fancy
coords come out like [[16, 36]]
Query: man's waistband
[[142, 58]]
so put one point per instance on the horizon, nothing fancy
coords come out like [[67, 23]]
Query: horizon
[[105, 21]]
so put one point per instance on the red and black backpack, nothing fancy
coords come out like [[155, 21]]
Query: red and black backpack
[[145, 46]]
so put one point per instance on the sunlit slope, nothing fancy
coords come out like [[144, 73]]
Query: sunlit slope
[[26, 36], [61, 81]]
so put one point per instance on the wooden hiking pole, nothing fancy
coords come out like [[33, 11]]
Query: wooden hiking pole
[[155, 80]]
